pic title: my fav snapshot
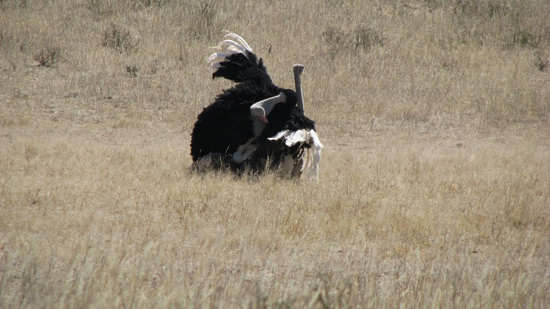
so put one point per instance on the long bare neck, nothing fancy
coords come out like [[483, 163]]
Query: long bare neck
[[298, 85]]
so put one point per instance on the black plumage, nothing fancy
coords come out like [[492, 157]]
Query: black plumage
[[226, 124]]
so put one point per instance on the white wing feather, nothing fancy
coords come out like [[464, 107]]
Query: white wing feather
[[312, 155]]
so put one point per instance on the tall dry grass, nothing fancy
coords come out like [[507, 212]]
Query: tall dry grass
[[433, 188]]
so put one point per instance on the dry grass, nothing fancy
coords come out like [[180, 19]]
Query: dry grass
[[434, 183]]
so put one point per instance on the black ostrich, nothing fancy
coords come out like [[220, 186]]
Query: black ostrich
[[255, 125]]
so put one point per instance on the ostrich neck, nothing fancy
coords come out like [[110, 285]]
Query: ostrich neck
[[299, 95]]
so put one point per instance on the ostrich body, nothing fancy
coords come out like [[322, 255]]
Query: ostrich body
[[254, 125]]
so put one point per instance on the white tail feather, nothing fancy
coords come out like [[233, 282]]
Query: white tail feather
[[239, 39], [216, 57], [233, 44]]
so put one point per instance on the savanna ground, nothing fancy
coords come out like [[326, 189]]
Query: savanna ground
[[434, 188]]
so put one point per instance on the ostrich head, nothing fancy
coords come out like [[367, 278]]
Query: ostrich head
[[261, 109], [298, 70]]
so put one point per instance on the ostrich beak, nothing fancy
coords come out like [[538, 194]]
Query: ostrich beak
[[264, 120]]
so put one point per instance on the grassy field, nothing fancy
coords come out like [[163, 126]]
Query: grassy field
[[434, 186]]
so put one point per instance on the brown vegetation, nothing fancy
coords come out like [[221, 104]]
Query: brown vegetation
[[434, 183]]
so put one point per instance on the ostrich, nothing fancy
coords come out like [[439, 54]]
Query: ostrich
[[254, 125]]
